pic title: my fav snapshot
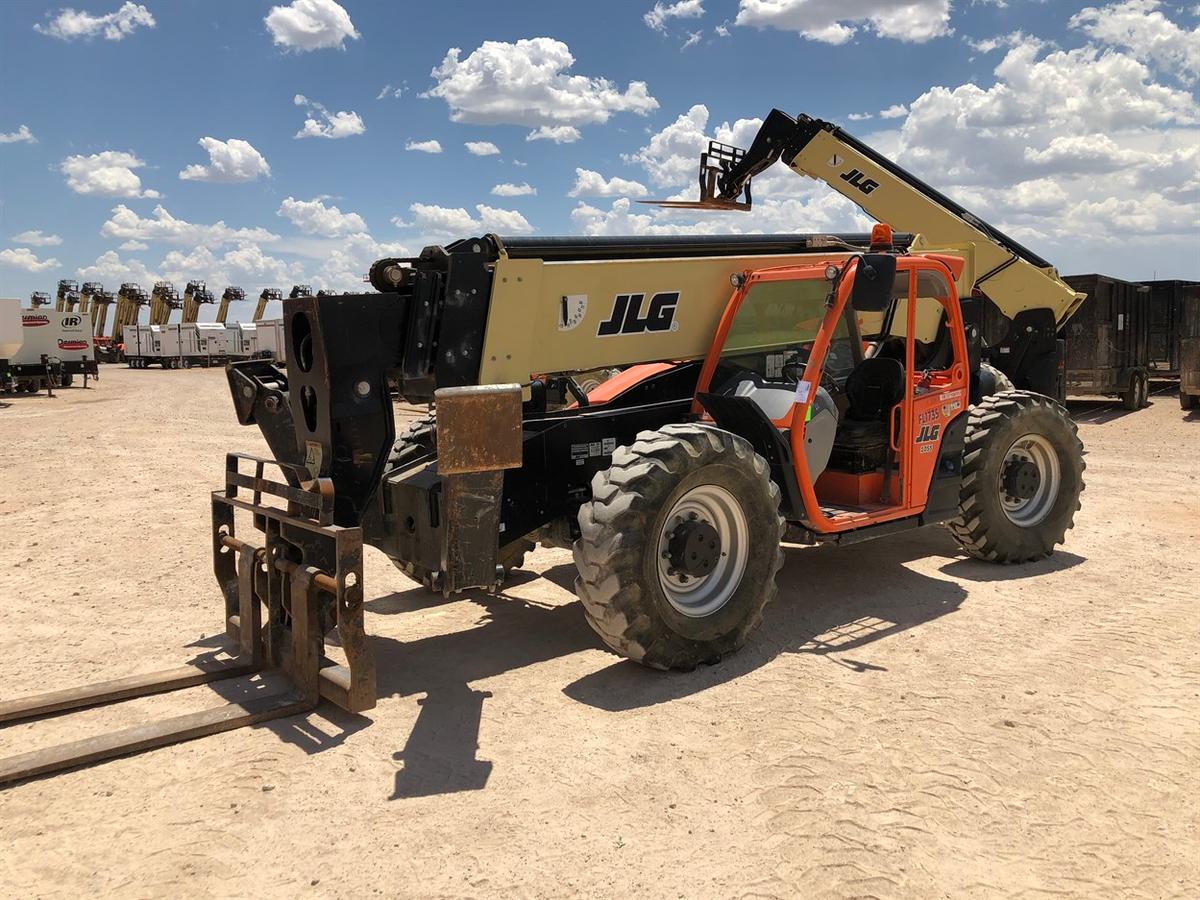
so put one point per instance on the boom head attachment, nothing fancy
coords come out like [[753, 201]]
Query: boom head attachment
[[39, 298], [715, 165]]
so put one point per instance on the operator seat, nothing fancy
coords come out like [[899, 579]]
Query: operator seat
[[872, 389]]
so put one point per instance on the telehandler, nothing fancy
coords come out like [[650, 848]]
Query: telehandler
[[130, 299], [230, 295], [267, 295], [68, 292], [829, 388], [195, 295], [164, 299]]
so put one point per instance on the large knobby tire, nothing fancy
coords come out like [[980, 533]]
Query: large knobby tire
[[633, 532], [1008, 513], [413, 441], [1000, 381]]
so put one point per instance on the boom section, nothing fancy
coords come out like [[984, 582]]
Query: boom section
[[1013, 278], [574, 316], [1010, 275]]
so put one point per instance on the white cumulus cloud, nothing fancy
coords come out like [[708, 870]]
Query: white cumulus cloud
[[21, 135], [125, 224], [442, 221], [657, 17], [507, 189], [560, 134], [228, 161], [593, 184], [482, 148], [1064, 141], [324, 124], [429, 146], [837, 21], [24, 258], [110, 268], [314, 217], [310, 25], [70, 23], [108, 174], [133, 246], [1142, 27], [529, 83], [37, 239], [895, 111]]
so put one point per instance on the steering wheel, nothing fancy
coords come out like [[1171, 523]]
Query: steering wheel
[[793, 369]]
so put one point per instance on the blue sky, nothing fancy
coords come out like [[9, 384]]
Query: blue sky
[[1074, 125]]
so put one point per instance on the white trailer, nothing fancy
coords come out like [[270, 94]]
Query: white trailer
[[203, 344], [147, 345], [11, 338], [55, 347], [270, 340], [241, 340]]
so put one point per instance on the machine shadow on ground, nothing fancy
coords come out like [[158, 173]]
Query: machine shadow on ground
[[833, 603]]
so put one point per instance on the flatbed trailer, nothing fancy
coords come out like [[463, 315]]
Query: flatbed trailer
[[1107, 341]]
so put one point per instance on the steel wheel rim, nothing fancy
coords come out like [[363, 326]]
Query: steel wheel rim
[[699, 597], [1033, 510]]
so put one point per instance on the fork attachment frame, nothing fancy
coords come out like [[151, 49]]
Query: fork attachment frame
[[280, 600]]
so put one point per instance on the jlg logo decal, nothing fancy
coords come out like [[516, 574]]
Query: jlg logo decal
[[929, 434], [627, 315], [860, 181]]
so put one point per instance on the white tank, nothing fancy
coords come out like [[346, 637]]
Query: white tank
[[11, 335]]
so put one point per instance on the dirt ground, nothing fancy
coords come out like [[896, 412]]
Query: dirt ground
[[907, 723]]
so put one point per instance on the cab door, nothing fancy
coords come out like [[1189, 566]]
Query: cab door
[[936, 384]]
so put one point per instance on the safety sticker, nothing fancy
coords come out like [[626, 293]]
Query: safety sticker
[[571, 310], [312, 457], [582, 452], [774, 367], [802, 391]]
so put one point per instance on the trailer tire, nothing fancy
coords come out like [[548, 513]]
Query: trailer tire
[[633, 598], [1131, 397], [66, 379], [1007, 513], [1145, 399]]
